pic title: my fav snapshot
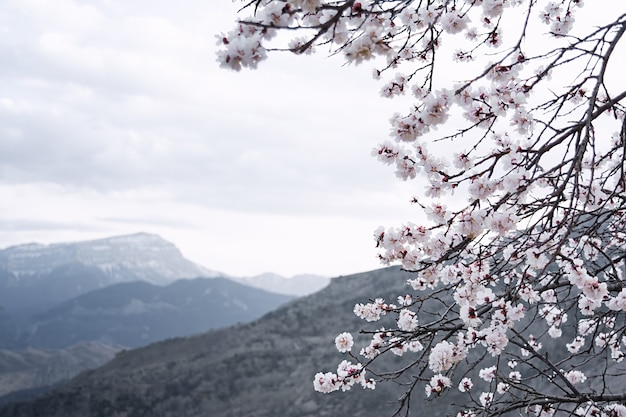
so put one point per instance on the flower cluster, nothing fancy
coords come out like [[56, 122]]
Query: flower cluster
[[592, 409], [521, 183], [347, 375]]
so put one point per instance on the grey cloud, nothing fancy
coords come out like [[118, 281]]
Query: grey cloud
[[264, 141], [9, 225], [149, 220]]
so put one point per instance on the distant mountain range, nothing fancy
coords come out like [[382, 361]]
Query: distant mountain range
[[299, 285], [141, 256], [124, 291], [262, 368], [134, 314], [35, 277], [265, 368]]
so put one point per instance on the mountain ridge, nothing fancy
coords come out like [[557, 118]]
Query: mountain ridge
[[266, 368], [298, 285], [142, 255], [134, 314], [28, 368], [259, 369], [121, 290], [35, 277]]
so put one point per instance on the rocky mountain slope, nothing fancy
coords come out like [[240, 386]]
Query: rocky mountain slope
[[21, 370], [123, 290], [137, 313], [263, 368]]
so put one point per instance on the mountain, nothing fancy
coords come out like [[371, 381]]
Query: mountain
[[35, 277], [21, 370], [140, 256], [9, 330], [121, 291], [262, 368], [266, 368], [299, 285], [137, 313]]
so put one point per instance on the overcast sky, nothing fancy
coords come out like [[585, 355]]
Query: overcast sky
[[115, 118]]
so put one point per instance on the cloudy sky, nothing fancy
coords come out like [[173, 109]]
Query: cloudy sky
[[115, 118]]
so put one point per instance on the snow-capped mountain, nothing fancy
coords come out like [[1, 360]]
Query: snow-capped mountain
[[35, 277], [140, 256], [125, 290]]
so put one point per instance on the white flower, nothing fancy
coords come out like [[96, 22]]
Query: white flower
[[407, 320], [536, 258], [325, 382], [414, 346], [241, 50], [488, 374], [398, 348], [453, 22], [595, 290], [493, 8], [562, 25], [545, 410], [553, 315], [522, 120], [575, 377], [587, 306], [469, 316], [485, 296], [438, 383], [428, 16], [344, 342], [371, 311], [471, 33], [549, 296], [602, 339], [575, 345], [405, 300], [435, 110], [395, 87], [555, 332], [587, 327], [485, 399], [441, 357], [515, 376], [502, 387], [618, 302], [615, 410], [373, 349], [347, 369], [465, 385], [308, 6], [495, 339], [369, 383], [437, 213]]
